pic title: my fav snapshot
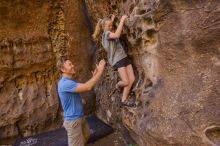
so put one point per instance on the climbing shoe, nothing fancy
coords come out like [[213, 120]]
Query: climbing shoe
[[128, 103]]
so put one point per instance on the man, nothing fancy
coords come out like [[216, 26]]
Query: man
[[68, 90]]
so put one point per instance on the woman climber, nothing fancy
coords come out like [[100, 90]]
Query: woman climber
[[116, 55]]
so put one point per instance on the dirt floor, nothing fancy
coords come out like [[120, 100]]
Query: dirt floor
[[113, 139]]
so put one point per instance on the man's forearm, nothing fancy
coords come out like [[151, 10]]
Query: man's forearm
[[91, 82]]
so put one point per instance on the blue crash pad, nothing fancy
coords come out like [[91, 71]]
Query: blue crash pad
[[58, 137]]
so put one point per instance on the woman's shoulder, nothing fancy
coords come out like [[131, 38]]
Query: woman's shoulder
[[106, 34]]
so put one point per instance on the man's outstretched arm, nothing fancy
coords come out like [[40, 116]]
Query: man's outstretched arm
[[84, 87]]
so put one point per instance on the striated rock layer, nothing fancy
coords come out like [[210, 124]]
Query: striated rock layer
[[33, 35], [175, 50]]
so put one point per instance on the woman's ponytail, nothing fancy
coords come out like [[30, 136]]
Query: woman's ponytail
[[97, 31], [98, 28]]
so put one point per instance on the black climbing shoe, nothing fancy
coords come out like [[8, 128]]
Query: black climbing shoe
[[128, 103]]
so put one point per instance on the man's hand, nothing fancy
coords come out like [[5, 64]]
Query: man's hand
[[84, 87], [99, 67], [124, 17], [95, 71]]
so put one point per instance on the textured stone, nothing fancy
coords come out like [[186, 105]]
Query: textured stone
[[175, 50], [33, 35], [174, 46]]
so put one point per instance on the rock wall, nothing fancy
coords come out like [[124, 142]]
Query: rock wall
[[33, 35], [175, 50]]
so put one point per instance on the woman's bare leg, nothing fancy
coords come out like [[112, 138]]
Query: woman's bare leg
[[131, 77], [124, 82]]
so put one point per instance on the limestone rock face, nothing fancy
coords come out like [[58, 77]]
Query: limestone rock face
[[175, 50], [33, 35]]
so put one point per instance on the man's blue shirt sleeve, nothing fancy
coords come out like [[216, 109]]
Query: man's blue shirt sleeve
[[69, 86]]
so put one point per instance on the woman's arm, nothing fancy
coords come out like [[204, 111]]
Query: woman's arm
[[113, 18], [119, 28]]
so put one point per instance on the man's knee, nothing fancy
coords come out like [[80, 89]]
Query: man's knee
[[74, 133], [86, 130], [75, 139]]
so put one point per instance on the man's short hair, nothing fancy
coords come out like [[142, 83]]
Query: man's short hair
[[60, 63]]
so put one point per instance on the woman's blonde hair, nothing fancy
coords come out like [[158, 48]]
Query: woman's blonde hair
[[99, 28]]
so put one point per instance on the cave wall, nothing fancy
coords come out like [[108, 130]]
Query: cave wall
[[33, 35], [175, 50], [174, 46]]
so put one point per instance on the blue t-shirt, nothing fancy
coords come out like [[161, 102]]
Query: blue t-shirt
[[71, 101]]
